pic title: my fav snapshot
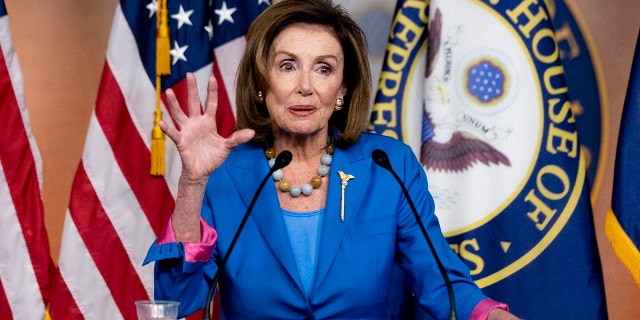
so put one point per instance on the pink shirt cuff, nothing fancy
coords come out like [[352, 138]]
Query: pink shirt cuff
[[193, 251], [484, 307]]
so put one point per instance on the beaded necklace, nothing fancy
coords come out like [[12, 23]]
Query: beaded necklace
[[307, 188]]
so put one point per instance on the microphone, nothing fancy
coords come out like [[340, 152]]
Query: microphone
[[381, 159], [282, 160]]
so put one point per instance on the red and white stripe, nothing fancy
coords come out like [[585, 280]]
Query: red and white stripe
[[25, 262], [116, 207]]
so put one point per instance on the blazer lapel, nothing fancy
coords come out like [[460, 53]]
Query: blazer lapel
[[247, 172], [352, 162]]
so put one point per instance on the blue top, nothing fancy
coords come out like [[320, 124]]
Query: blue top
[[302, 228]]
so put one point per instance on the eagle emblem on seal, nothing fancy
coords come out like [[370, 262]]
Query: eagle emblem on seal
[[457, 149]]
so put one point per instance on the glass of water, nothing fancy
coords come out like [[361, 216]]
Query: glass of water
[[157, 310]]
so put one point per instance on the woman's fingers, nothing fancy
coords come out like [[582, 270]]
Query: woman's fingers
[[170, 131], [239, 137], [211, 104], [195, 134], [193, 96], [194, 107], [174, 106]]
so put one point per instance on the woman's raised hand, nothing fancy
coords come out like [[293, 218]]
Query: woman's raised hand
[[202, 150]]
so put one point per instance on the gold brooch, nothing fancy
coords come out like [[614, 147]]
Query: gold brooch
[[344, 177]]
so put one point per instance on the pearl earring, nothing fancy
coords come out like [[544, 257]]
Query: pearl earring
[[260, 97], [339, 104]]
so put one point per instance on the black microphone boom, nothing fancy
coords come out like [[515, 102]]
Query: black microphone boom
[[282, 160], [381, 159]]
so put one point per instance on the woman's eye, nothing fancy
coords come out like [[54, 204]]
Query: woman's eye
[[287, 66], [324, 69]]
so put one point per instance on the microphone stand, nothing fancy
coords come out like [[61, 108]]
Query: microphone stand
[[381, 159], [282, 160]]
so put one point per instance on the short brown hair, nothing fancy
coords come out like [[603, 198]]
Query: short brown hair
[[349, 122]]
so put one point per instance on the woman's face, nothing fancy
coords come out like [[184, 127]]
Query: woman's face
[[305, 78]]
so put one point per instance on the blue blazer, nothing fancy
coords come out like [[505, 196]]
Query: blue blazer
[[356, 257]]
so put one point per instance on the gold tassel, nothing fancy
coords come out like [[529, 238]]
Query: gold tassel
[[163, 45], [163, 67], [157, 152], [157, 139]]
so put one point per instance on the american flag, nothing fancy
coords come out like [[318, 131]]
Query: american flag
[[25, 262], [117, 208], [623, 218]]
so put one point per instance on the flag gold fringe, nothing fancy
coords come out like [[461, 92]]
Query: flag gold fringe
[[622, 245], [163, 67]]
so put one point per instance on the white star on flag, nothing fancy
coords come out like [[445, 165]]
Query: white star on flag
[[153, 8], [209, 29], [182, 17], [178, 52], [225, 13]]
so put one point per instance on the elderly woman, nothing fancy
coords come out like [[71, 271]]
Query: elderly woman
[[330, 228]]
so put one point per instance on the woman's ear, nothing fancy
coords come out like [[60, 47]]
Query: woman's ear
[[343, 91]]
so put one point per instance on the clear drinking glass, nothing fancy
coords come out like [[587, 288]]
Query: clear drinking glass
[[157, 310]]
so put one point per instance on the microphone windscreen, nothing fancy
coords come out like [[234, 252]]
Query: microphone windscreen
[[381, 158], [282, 160]]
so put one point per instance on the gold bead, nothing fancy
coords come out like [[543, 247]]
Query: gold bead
[[270, 153], [330, 149], [285, 186], [316, 182]]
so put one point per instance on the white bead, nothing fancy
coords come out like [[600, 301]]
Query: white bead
[[272, 161], [295, 191], [326, 159], [277, 175], [307, 189], [323, 170]]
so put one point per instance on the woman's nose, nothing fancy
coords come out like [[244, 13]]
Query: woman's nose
[[304, 84]]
